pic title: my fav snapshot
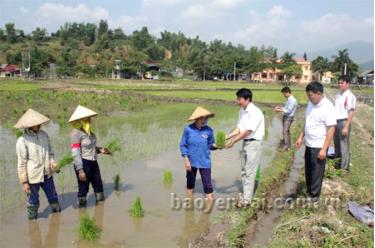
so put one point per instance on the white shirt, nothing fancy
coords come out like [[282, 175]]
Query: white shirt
[[344, 103], [318, 118], [290, 107], [252, 119]]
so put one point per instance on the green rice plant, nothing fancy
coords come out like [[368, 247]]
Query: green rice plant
[[167, 177], [114, 146], [88, 230], [220, 140], [137, 210], [67, 159], [117, 182], [18, 133]]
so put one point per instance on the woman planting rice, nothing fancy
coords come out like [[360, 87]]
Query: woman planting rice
[[196, 142], [35, 162], [85, 152]]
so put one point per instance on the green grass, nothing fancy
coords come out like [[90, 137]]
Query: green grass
[[18, 85], [220, 139], [167, 177], [137, 210], [259, 96], [66, 160], [88, 230]]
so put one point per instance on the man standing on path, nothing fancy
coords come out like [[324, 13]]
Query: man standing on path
[[289, 110], [345, 105], [319, 129], [250, 129]]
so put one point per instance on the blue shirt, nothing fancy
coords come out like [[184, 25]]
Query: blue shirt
[[196, 144]]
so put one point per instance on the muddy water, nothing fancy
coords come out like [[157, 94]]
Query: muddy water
[[161, 227], [267, 224]]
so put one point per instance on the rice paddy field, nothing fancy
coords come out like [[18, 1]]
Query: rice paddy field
[[146, 119]]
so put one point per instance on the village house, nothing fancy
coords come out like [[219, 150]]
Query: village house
[[9, 70], [275, 74]]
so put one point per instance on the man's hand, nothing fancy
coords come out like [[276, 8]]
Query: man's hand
[[26, 187], [229, 144], [345, 131], [322, 154], [277, 109], [298, 142], [82, 175]]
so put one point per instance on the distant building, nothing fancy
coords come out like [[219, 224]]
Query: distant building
[[9, 70], [275, 74]]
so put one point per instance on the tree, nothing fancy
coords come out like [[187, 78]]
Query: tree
[[3, 36], [14, 57], [10, 32], [39, 34], [103, 28], [339, 61], [289, 67]]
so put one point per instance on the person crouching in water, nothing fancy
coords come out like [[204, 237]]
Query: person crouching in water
[[35, 162], [85, 152], [196, 142]]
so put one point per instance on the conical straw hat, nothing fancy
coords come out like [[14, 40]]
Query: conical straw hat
[[81, 112], [31, 118], [200, 112]]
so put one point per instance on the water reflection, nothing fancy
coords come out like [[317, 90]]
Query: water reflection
[[51, 238]]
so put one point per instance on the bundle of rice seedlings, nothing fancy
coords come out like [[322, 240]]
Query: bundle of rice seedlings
[[114, 146], [88, 230], [167, 177], [67, 159], [117, 182], [137, 210], [220, 139]]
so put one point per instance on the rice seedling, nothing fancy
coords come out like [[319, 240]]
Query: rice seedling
[[88, 230], [167, 177], [18, 133], [137, 210], [220, 140], [114, 146], [117, 182], [67, 159]]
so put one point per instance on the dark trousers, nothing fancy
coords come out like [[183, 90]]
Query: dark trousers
[[206, 179], [314, 171], [342, 145], [287, 122], [48, 187], [93, 176]]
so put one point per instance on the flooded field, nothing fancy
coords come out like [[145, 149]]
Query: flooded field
[[149, 137]]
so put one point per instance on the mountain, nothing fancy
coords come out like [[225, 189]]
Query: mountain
[[367, 66], [359, 51]]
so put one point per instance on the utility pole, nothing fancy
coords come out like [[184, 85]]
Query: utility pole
[[345, 68], [234, 71]]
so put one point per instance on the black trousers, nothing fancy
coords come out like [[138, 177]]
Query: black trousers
[[314, 171], [93, 176]]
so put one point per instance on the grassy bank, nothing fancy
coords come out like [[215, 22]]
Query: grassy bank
[[326, 225]]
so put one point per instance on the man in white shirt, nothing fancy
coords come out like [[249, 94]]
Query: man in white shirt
[[345, 105], [250, 129], [318, 132], [289, 111]]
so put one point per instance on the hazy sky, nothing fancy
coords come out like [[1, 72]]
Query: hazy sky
[[294, 25]]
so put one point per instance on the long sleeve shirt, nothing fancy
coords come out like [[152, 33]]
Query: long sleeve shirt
[[290, 106], [196, 145], [34, 153], [83, 147]]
